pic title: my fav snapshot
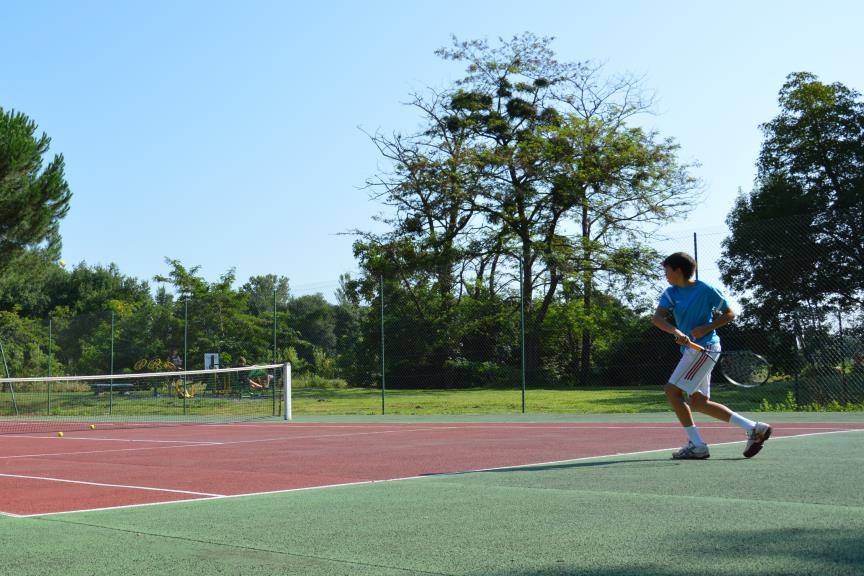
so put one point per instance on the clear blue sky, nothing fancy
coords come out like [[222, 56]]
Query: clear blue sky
[[226, 134]]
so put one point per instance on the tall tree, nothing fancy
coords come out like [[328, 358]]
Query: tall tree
[[548, 172], [218, 317], [34, 197], [796, 237]]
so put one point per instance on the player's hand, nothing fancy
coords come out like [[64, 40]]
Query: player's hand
[[681, 338], [700, 331]]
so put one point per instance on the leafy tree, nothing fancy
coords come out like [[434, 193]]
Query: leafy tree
[[24, 342], [314, 318], [81, 303], [259, 292], [796, 237], [217, 317], [354, 360], [34, 197], [524, 159], [24, 285]]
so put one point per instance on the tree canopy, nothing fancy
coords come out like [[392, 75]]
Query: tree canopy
[[796, 237], [523, 160], [33, 196]]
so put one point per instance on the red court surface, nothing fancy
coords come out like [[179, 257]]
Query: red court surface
[[96, 469]]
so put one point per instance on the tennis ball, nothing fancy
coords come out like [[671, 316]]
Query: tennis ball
[[62, 263], [60, 434], [92, 426]]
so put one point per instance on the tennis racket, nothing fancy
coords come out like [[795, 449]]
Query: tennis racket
[[740, 367]]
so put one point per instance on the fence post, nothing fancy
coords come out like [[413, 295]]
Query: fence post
[[522, 331], [111, 388], [843, 384], [11, 386], [274, 321], [185, 347], [696, 254], [383, 383], [50, 358]]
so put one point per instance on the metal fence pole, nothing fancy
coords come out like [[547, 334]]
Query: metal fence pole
[[273, 388], [11, 386], [111, 388], [185, 347], [383, 384], [843, 385], [696, 254], [50, 358], [522, 331]]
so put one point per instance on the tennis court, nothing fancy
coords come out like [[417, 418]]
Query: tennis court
[[508, 495]]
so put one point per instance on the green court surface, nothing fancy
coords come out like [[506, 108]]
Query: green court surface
[[797, 508]]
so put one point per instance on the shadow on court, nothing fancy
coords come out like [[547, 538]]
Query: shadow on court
[[641, 463], [769, 552]]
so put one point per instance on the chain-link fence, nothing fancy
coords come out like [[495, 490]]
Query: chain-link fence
[[402, 343], [591, 349]]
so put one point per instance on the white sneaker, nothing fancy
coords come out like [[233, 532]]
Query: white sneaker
[[692, 452], [757, 437]]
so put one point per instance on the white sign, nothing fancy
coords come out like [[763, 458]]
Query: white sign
[[211, 360]]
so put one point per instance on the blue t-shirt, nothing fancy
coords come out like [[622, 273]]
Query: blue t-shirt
[[694, 306]]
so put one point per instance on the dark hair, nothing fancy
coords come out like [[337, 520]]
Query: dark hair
[[681, 261]]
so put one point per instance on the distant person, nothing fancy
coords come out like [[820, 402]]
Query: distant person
[[175, 359], [693, 304], [180, 389], [257, 378]]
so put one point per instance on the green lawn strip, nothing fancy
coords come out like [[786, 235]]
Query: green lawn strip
[[367, 401], [650, 417], [318, 401], [792, 510]]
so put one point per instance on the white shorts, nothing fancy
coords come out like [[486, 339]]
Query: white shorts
[[693, 373]]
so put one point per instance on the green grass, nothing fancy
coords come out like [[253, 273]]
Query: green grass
[[332, 401], [356, 401]]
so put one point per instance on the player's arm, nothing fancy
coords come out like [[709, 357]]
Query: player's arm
[[660, 321], [724, 318]]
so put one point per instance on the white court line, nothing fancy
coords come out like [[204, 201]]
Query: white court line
[[43, 455], [316, 436], [230, 442], [521, 425], [276, 439], [69, 438], [443, 474], [101, 484], [349, 434]]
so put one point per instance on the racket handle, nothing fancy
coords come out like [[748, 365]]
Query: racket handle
[[696, 347]]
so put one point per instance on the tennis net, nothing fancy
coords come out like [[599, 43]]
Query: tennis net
[[58, 403]]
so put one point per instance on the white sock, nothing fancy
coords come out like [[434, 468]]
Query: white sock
[[742, 422], [693, 435]]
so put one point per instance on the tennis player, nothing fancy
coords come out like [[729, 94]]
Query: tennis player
[[693, 304]]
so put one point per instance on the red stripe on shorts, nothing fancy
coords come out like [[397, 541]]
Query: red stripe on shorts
[[692, 372]]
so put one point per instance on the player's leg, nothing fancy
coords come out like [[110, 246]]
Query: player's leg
[[700, 400], [703, 404], [696, 449], [675, 397]]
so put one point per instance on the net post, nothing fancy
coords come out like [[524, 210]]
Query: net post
[[286, 401]]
